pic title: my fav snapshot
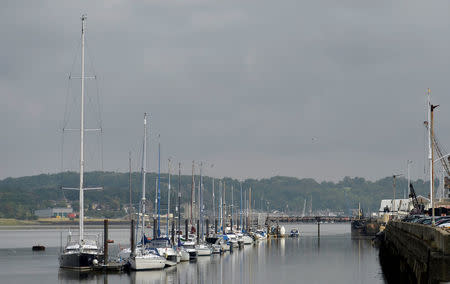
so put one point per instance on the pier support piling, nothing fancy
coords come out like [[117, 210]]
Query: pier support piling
[[198, 231], [173, 233], [105, 241], [186, 225], [132, 243]]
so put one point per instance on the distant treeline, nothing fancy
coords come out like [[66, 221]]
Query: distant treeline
[[19, 197]]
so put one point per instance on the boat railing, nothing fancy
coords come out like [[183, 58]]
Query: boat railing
[[90, 241]]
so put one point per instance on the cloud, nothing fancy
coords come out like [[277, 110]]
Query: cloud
[[242, 84]]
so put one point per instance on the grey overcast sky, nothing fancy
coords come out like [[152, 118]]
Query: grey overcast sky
[[321, 89]]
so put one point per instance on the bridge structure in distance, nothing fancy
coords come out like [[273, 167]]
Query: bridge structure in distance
[[309, 219]]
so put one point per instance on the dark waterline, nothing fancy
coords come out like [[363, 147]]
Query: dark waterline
[[335, 258]]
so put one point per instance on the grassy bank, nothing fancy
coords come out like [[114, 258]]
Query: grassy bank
[[59, 221], [16, 222]]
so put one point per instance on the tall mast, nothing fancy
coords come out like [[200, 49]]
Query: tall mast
[[304, 208], [249, 222], [198, 204], [179, 196], [220, 205], [245, 208], [168, 202], [232, 205], [159, 188], [213, 200], [144, 171], [240, 209], [224, 208], [156, 196], [200, 200], [192, 193], [83, 28], [129, 182]]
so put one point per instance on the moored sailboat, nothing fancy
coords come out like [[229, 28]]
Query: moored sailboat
[[82, 251], [144, 257]]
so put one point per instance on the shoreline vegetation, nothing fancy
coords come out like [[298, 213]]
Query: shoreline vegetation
[[20, 197], [10, 222]]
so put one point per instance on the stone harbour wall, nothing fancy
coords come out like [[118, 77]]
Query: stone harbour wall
[[415, 253]]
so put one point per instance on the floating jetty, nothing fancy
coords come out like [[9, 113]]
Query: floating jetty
[[110, 267], [415, 253]]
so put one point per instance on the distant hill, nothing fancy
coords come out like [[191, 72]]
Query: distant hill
[[19, 197]]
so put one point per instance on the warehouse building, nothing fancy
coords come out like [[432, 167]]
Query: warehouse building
[[53, 212]]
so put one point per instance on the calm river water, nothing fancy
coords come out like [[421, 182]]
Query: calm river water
[[334, 258]]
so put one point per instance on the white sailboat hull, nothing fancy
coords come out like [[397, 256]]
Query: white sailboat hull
[[184, 255], [247, 240], [225, 247], [170, 255], [147, 263], [217, 248], [203, 250]]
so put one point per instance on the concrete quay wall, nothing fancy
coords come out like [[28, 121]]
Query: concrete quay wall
[[415, 253]]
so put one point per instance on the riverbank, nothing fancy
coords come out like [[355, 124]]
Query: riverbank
[[58, 222]]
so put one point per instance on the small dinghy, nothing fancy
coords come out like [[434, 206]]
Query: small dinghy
[[294, 233], [38, 248]]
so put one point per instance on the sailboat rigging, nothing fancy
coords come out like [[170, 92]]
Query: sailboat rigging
[[144, 257], [85, 252]]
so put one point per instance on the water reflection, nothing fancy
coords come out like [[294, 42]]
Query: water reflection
[[337, 258], [143, 277], [282, 246], [66, 274]]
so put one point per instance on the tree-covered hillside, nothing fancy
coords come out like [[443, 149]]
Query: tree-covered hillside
[[19, 197]]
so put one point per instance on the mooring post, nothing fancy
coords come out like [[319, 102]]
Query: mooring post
[[132, 246], [198, 231], [231, 223], [207, 228], [186, 224], [105, 241], [318, 227], [215, 226], [155, 227], [173, 233]]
